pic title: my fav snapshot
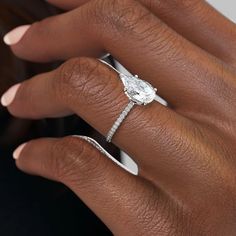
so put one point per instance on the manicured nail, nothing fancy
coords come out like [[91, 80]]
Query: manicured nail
[[9, 96], [14, 36], [18, 151]]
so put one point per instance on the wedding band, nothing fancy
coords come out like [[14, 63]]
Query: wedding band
[[138, 91]]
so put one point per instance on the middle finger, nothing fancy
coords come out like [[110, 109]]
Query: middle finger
[[140, 41]]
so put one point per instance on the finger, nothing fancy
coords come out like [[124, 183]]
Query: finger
[[105, 187], [113, 28], [200, 23], [196, 20], [94, 92]]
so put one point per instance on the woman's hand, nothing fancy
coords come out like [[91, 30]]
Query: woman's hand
[[185, 152]]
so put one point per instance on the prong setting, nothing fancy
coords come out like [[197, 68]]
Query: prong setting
[[139, 91]]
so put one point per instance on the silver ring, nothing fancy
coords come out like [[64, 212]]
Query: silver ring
[[138, 91]]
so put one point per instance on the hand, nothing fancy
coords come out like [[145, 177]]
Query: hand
[[185, 152]]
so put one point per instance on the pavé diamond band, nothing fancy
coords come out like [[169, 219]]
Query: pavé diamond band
[[118, 122], [139, 92]]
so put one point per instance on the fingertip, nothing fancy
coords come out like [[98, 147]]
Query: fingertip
[[8, 97], [18, 151], [14, 36]]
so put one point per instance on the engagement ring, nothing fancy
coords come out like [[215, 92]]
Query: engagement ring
[[138, 91]]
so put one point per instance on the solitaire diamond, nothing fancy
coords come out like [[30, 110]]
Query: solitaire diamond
[[139, 91]]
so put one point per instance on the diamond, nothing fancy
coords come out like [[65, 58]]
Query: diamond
[[139, 91]]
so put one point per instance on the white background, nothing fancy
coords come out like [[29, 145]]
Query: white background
[[226, 7]]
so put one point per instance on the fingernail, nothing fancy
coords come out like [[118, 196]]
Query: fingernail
[[18, 151], [9, 96], [14, 36]]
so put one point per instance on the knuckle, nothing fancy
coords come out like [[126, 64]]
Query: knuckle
[[74, 160], [130, 17], [63, 157], [121, 14], [74, 75], [84, 78]]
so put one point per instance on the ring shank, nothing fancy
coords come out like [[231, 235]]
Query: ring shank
[[119, 121]]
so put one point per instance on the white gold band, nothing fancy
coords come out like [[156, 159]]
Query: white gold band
[[119, 121]]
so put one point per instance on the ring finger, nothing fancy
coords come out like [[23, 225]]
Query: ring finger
[[88, 88]]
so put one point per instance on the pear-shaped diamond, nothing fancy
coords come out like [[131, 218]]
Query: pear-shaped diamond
[[139, 91]]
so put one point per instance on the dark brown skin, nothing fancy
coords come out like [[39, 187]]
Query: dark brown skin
[[185, 152]]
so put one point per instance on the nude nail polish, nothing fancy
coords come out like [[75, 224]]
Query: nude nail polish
[[18, 151], [14, 36], [9, 96]]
